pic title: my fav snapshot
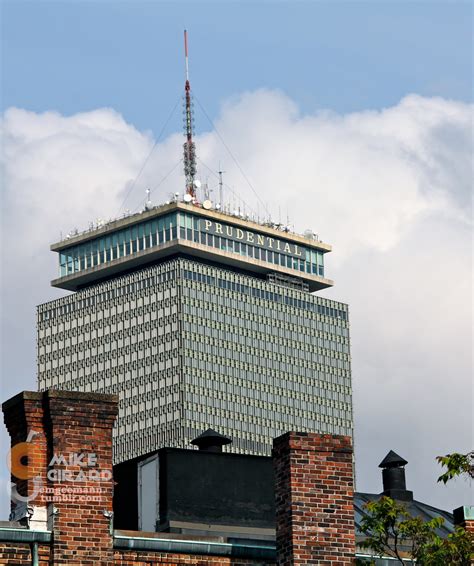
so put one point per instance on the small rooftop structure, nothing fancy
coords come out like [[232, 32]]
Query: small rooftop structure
[[211, 441], [393, 477]]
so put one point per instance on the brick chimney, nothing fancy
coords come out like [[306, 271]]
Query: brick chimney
[[70, 457], [314, 499], [24, 420]]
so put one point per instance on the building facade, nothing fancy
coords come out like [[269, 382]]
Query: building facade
[[198, 319], [262, 516]]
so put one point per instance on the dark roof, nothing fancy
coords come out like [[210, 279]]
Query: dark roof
[[415, 508], [392, 460], [234, 462]]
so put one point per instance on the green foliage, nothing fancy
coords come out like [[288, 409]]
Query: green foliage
[[457, 465], [391, 531], [457, 550]]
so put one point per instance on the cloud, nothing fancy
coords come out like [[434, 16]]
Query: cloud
[[389, 188]]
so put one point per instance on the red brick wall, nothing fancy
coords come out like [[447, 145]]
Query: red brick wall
[[131, 558], [69, 424], [20, 554], [314, 499], [23, 414], [82, 424]]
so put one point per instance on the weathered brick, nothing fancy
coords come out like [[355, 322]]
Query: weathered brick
[[313, 482]]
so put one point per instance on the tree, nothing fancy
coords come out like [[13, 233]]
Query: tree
[[456, 549], [457, 465], [390, 530]]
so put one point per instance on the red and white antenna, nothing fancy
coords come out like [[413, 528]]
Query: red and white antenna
[[189, 146]]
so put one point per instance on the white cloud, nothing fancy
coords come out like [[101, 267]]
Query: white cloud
[[390, 189], [68, 167]]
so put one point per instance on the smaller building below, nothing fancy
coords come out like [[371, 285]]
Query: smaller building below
[[208, 492]]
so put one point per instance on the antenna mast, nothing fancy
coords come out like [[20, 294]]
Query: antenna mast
[[221, 190], [189, 146]]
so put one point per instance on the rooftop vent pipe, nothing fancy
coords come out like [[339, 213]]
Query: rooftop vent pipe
[[393, 477], [211, 441]]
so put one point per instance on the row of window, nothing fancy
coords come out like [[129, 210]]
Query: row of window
[[229, 334], [299, 369], [322, 382], [264, 353], [153, 233], [50, 369], [120, 244], [112, 381], [110, 329], [119, 351], [278, 395], [265, 295], [86, 301], [272, 411], [240, 421], [194, 229], [312, 263]]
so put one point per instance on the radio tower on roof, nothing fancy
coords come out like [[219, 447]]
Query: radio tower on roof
[[189, 146]]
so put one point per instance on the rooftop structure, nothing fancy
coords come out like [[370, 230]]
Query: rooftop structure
[[192, 229], [183, 491]]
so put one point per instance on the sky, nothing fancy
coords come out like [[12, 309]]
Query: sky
[[353, 119]]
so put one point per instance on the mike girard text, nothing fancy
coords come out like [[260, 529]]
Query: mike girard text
[[252, 238]]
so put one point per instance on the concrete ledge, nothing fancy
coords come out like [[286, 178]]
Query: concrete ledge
[[58, 394], [312, 441], [81, 396], [23, 396], [24, 535], [192, 546]]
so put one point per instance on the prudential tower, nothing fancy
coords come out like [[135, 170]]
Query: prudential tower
[[199, 317]]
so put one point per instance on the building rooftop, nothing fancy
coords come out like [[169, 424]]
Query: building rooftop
[[190, 229], [209, 493], [415, 508]]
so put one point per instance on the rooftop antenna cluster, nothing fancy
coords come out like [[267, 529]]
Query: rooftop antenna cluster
[[221, 188], [189, 146], [193, 185]]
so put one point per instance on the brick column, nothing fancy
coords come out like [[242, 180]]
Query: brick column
[[70, 456], [314, 499], [24, 419], [81, 423]]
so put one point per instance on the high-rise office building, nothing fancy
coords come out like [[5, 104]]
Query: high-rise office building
[[198, 318]]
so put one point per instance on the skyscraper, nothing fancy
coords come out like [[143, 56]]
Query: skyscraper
[[198, 318]]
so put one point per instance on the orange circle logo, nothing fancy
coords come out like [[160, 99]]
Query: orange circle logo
[[20, 457]]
